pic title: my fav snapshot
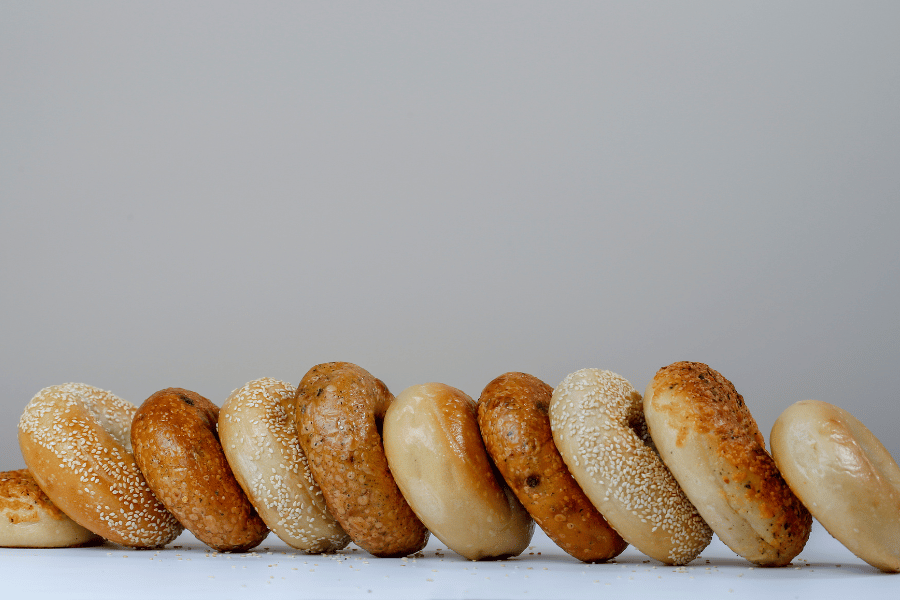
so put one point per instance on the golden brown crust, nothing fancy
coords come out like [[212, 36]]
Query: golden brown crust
[[28, 518], [515, 425], [705, 414], [340, 408], [177, 448], [21, 499], [75, 439], [435, 451]]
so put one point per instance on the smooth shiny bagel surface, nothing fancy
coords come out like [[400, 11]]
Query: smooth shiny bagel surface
[[515, 426], [29, 519], [176, 445], [845, 477], [709, 440], [259, 437], [598, 425], [340, 409], [435, 451], [75, 439]]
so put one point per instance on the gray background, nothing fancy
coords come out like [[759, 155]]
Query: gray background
[[197, 195]]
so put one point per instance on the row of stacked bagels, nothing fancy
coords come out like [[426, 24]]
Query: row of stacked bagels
[[340, 459]]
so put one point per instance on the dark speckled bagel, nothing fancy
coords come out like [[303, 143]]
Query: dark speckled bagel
[[515, 426], [176, 446], [340, 408]]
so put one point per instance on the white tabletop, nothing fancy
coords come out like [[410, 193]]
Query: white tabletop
[[188, 569]]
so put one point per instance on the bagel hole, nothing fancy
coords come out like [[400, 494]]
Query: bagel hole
[[638, 425]]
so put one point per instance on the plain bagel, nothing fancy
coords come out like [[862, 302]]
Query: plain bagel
[[435, 451], [845, 476]]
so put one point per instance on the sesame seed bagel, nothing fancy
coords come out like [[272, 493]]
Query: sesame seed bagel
[[434, 449], [28, 518], [176, 445], [340, 408], [598, 426], [844, 476], [75, 440], [709, 440], [259, 437], [515, 426]]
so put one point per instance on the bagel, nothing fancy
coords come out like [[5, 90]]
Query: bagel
[[259, 437], [435, 452], [844, 476], [76, 442], [515, 426], [598, 426], [28, 519], [709, 440], [340, 409], [176, 445]]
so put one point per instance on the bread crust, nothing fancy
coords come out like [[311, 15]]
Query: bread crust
[[177, 448], [598, 425], [711, 443], [435, 451], [259, 437], [75, 439], [29, 519], [844, 475], [340, 408], [513, 416]]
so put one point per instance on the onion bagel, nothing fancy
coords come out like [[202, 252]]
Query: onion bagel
[[598, 425], [75, 439], [515, 425], [259, 437], [176, 445], [340, 409], [28, 519], [436, 454], [709, 440], [844, 476]]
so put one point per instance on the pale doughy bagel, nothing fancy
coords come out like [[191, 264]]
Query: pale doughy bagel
[[515, 426], [844, 476], [598, 426], [340, 408], [436, 455], [710, 442], [76, 442], [175, 444], [259, 437], [28, 519]]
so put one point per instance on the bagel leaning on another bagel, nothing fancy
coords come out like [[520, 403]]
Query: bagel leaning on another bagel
[[29, 519], [598, 425], [435, 451], [515, 425], [340, 409], [845, 476], [76, 441], [709, 440]]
